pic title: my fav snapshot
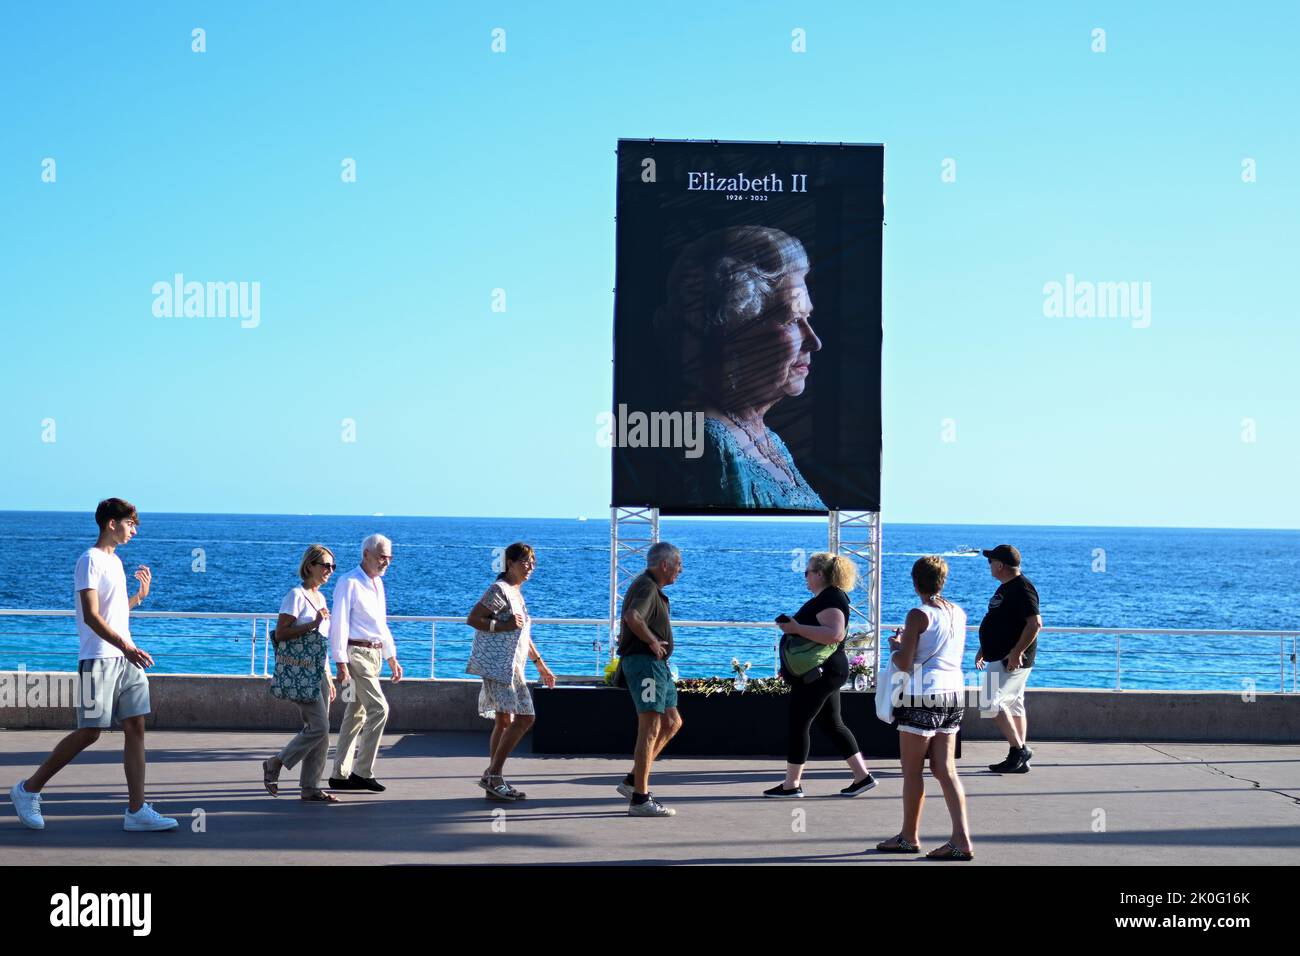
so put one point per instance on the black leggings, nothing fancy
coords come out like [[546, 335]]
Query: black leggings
[[820, 701]]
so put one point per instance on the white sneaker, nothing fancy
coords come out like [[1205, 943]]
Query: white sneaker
[[626, 790], [147, 818], [651, 808], [28, 806]]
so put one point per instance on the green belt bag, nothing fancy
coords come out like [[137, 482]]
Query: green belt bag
[[801, 655]]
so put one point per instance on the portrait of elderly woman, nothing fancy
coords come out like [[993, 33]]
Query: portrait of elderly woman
[[738, 319]]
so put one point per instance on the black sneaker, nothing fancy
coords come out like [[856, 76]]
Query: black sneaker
[[1021, 766], [1029, 752], [780, 791], [862, 786], [1013, 758], [1016, 762], [345, 783]]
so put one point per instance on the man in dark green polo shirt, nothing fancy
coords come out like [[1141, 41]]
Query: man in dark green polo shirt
[[645, 644]]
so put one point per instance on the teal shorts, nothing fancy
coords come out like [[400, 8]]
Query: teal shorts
[[650, 683]]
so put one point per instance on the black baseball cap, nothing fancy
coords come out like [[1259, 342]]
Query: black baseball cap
[[1004, 553]]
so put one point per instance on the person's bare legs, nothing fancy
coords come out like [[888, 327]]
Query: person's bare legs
[[912, 748], [943, 765], [500, 724], [519, 725], [647, 748], [1022, 728], [669, 723], [858, 764], [62, 755], [1007, 724], [133, 761], [793, 775]]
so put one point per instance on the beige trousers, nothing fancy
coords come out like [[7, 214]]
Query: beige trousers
[[364, 716], [312, 744]]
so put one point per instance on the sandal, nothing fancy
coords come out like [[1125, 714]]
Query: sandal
[[517, 794], [896, 844], [498, 791], [320, 796], [270, 780], [949, 852]]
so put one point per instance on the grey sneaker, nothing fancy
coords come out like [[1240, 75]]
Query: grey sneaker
[[27, 805], [147, 818], [651, 808], [626, 790]]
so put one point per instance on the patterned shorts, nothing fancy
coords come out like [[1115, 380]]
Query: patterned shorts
[[942, 714], [498, 697]]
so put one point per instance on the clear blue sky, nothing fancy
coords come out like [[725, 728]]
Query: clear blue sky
[[478, 171]]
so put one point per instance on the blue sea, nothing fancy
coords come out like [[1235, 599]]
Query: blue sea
[[733, 570]]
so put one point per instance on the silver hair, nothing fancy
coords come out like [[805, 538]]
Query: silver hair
[[727, 279], [661, 551], [374, 541]]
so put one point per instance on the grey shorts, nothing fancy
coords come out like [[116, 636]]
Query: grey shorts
[[110, 689]]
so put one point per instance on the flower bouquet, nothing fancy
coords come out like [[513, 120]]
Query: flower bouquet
[[860, 673]]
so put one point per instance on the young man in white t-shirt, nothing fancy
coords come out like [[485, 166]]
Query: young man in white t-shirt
[[111, 683]]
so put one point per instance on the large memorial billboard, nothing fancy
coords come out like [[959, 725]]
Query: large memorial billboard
[[747, 327]]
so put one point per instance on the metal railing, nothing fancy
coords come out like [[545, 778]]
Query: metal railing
[[259, 626]]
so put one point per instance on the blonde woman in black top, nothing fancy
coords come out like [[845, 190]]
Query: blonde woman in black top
[[815, 696]]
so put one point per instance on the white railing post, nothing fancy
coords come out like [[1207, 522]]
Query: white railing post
[[252, 651], [1118, 640], [1292, 663], [433, 648], [266, 648]]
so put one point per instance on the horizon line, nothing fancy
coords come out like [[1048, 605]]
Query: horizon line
[[793, 519]]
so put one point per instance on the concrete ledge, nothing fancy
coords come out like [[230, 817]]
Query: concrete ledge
[[216, 702], [43, 700], [1130, 716]]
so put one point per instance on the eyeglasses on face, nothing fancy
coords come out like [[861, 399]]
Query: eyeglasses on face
[[323, 564]]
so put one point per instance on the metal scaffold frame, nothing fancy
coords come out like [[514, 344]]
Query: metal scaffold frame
[[631, 533], [857, 536]]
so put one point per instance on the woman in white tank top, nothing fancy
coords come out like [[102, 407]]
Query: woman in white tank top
[[929, 651]]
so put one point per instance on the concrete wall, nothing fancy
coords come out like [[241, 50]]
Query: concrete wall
[[193, 702], [244, 703], [1147, 716]]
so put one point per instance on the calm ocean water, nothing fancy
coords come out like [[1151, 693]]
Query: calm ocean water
[[734, 570]]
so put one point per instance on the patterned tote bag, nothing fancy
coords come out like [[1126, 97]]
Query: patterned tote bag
[[299, 667]]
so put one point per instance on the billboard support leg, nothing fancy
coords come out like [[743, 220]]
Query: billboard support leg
[[631, 533], [857, 536]]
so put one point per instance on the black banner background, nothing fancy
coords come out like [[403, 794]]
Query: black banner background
[[832, 429]]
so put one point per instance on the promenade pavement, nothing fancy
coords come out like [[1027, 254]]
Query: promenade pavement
[[1083, 804]]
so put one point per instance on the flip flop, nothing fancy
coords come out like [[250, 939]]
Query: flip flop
[[949, 852], [896, 844], [270, 780], [320, 796]]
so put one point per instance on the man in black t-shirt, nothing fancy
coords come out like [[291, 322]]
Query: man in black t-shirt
[[1009, 646]]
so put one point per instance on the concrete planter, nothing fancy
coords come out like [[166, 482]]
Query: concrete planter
[[602, 720]]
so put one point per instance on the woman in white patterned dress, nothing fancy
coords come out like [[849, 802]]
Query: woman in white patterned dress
[[502, 644]]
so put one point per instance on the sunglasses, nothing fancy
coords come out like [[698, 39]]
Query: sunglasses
[[322, 564]]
